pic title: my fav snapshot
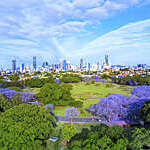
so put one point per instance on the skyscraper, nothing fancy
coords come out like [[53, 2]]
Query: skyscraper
[[61, 64], [89, 66], [34, 63], [13, 66], [81, 64], [22, 69], [106, 60], [98, 68], [64, 65]]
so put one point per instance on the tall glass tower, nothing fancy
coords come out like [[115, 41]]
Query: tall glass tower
[[13, 66], [106, 60], [34, 63], [81, 64]]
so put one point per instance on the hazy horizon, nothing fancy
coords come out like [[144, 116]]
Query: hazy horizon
[[74, 29]]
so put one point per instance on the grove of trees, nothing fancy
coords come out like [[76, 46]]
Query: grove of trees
[[25, 127]]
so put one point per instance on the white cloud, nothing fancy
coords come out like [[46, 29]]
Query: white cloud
[[87, 3], [130, 41], [37, 22]]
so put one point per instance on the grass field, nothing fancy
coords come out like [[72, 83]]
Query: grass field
[[33, 90], [91, 94], [98, 90]]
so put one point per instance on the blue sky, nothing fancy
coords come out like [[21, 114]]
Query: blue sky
[[72, 29]]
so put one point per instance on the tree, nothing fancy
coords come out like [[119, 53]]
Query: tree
[[70, 112], [71, 78], [68, 131], [25, 127], [145, 112], [140, 138], [98, 138], [6, 103], [14, 77], [54, 93]]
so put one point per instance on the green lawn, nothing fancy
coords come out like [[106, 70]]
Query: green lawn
[[98, 90], [89, 93], [33, 90], [92, 93]]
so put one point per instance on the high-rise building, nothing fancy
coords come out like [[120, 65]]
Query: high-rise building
[[81, 64], [13, 66], [98, 66], [34, 63], [141, 66], [106, 60], [64, 65], [46, 63], [89, 66], [22, 69], [61, 64]]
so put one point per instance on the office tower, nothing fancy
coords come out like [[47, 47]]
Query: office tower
[[98, 67], [13, 66], [106, 60], [141, 66], [68, 65], [61, 64], [64, 65], [22, 69], [53, 67], [46, 63], [34, 63], [56, 66], [81, 64], [89, 66]]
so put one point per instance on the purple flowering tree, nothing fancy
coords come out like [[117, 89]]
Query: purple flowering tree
[[70, 112], [25, 96], [119, 107]]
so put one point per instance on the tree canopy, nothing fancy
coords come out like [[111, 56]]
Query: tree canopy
[[25, 127], [55, 94], [71, 78], [6, 103]]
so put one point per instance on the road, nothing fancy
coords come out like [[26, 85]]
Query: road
[[79, 120]]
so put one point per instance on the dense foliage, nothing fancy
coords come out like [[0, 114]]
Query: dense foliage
[[103, 137], [133, 80], [7, 103], [71, 78], [55, 94], [25, 126], [100, 137], [68, 131], [37, 82], [145, 113]]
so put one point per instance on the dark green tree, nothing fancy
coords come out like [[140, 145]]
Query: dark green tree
[[7, 103], [71, 78], [25, 127], [54, 93]]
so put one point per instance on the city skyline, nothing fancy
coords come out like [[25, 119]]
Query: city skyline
[[72, 30]]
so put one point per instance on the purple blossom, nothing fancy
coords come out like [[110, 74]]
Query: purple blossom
[[26, 96], [57, 80], [118, 107], [49, 106], [142, 91], [72, 112]]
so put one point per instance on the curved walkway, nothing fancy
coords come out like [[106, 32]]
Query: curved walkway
[[79, 120]]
